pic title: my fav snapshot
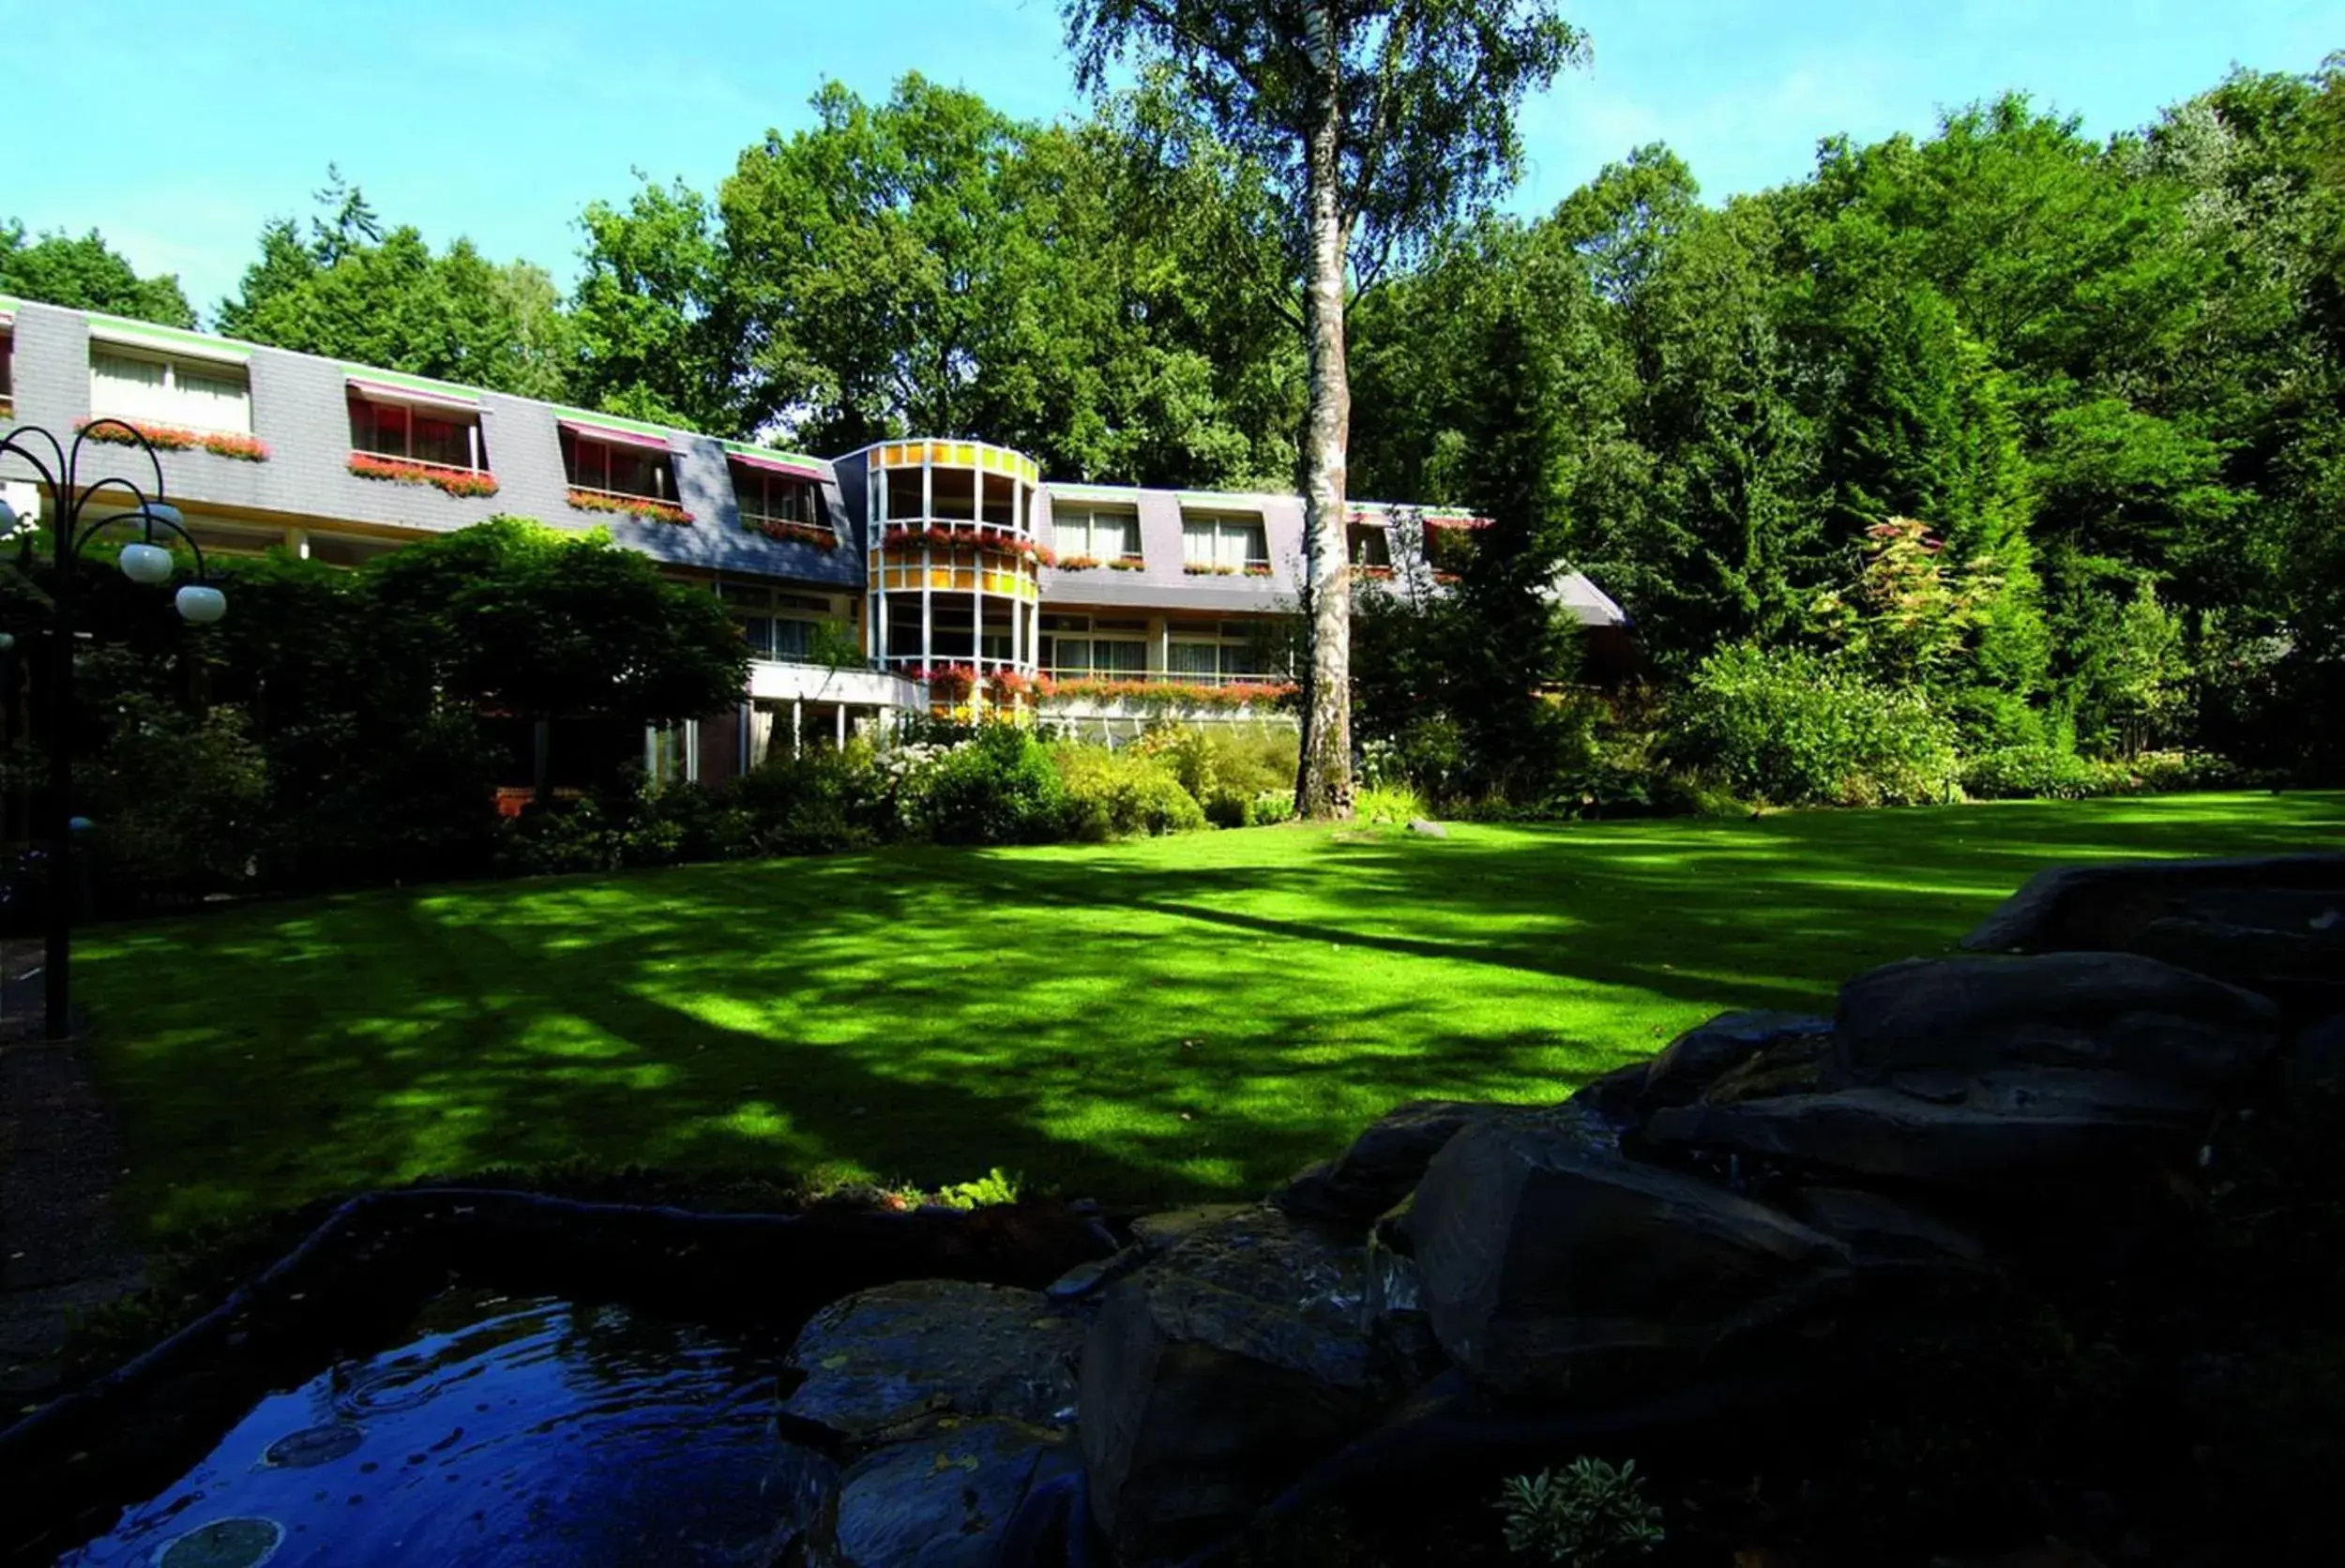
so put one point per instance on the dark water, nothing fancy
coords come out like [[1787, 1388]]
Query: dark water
[[509, 1433]]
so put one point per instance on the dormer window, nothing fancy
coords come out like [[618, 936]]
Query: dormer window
[[1224, 543], [417, 425], [1368, 544], [1097, 533], [778, 490], [616, 462], [133, 382], [8, 361]]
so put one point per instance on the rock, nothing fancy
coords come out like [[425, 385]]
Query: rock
[[1399, 1330], [2084, 907], [1154, 1234], [1217, 1372], [1550, 1262], [2316, 1062], [1882, 1231], [2116, 1011], [1795, 1062], [1689, 1064], [1381, 1164], [2009, 1132], [1429, 829], [885, 1364], [942, 1501]]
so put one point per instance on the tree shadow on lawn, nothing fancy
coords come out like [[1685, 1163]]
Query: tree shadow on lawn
[[1120, 1022]]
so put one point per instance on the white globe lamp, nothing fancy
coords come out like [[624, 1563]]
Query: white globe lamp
[[201, 604]]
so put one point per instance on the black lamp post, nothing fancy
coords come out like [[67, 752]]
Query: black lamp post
[[71, 528]]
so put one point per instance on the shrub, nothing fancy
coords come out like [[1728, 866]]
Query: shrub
[[2164, 772], [998, 788], [1225, 769], [2038, 773], [176, 798], [1388, 803], [1788, 727], [1270, 807], [817, 801], [1590, 1515], [1114, 794]]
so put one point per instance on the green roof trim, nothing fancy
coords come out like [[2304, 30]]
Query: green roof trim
[[167, 337], [751, 449], [617, 422], [414, 384], [1093, 492], [1228, 501], [8, 304]]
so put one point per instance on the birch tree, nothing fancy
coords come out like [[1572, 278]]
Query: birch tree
[[1382, 120]]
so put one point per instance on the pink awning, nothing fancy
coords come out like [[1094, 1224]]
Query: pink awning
[[613, 435], [413, 397], [777, 465]]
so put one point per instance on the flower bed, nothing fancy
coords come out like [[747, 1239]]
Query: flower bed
[[404, 471], [1166, 694], [640, 506], [172, 438], [792, 533]]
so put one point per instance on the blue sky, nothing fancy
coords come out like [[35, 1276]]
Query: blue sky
[[183, 125]]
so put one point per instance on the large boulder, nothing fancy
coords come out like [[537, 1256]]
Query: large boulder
[[2274, 925], [1217, 1372], [1548, 1261], [942, 1501], [1690, 1065], [2114, 1011], [1384, 1162], [886, 1363], [1992, 1134]]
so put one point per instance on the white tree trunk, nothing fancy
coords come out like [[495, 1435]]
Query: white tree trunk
[[1323, 787]]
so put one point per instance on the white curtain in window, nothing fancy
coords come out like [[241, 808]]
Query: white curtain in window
[[1198, 542], [205, 397], [1195, 659]]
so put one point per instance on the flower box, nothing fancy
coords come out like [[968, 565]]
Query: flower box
[[640, 506], [1126, 564], [404, 471], [1257, 568], [1165, 694], [946, 683], [172, 438], [785, 531], [1205, 569]]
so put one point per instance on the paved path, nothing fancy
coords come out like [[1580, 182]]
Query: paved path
[[61, 1256]]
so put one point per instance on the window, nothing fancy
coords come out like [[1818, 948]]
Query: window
[[1076, 645], [444, 436], [158, 389], [7, 384], [1223, 649], [769, 497], [1232, 542], [606, 465], [1369, 544], [777, 625], [1102, 534]]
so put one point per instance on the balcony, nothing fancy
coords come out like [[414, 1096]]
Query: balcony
[[857, 686], [1085, 694]]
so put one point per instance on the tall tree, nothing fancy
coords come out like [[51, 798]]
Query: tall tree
[[87, 273], [354, 290], [1382, 120]]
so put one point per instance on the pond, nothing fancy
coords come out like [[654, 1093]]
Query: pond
[[507, 1433]]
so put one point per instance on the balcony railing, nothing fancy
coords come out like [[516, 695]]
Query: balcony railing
[[913, 534]]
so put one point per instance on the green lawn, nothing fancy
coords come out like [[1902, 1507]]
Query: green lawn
[[1180, 1018]]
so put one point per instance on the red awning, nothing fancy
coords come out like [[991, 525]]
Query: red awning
[[413, 397], [777, 465], [613, 435]]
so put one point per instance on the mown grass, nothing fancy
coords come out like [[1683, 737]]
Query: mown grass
[[1176, 1019]]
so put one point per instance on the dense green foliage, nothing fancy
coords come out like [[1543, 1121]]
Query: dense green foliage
[[1168, 1019], [347, 728], [87, 273]]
